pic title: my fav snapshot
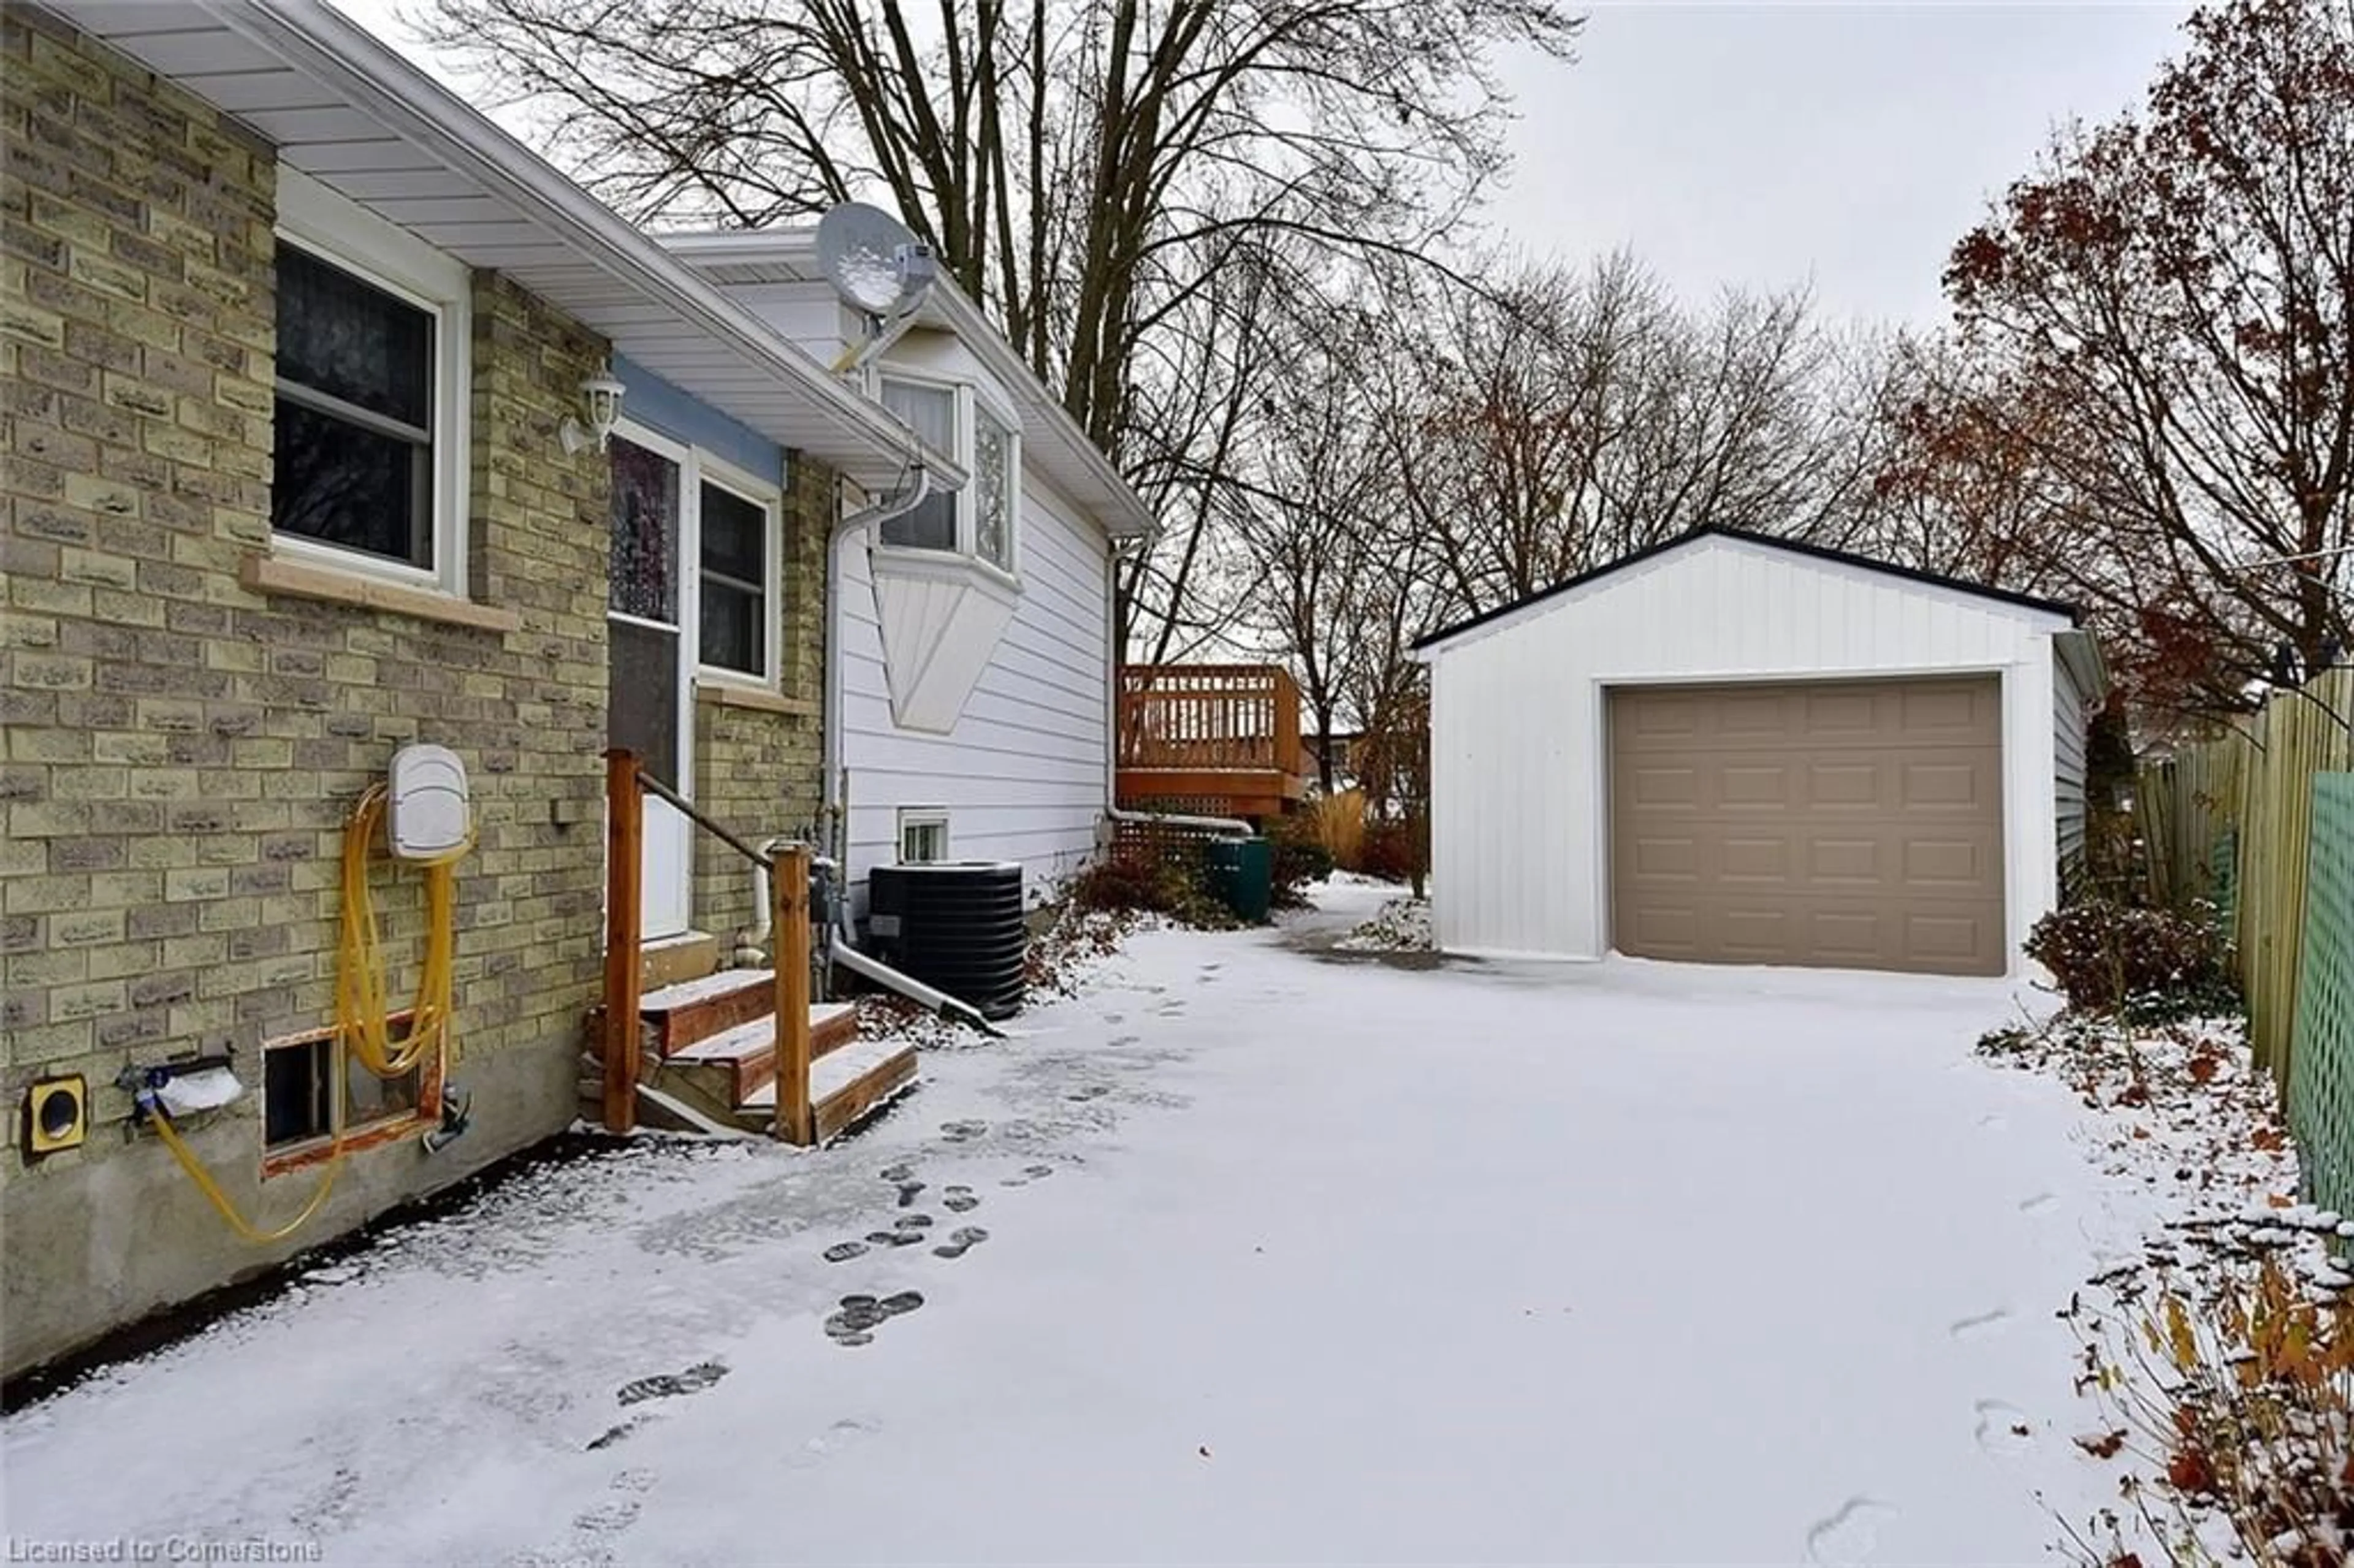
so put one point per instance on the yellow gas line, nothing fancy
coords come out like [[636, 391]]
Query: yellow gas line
[[362, 1022]]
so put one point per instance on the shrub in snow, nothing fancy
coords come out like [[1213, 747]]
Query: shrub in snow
[[1300, 858], [2239, 1391], [1395, 852], [2148, 963], [1402, 926], [1175, 885]]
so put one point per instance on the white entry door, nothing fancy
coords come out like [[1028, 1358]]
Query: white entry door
[[648, 702]]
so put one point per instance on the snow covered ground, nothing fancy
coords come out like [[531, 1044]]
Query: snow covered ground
[[1288, 1256]]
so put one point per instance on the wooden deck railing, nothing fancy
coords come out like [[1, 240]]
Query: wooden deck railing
[[1211, 718], [626, 788]]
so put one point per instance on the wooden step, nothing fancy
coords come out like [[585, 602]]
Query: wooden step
[[678, 1016], [845, 1084], [746, 1055]]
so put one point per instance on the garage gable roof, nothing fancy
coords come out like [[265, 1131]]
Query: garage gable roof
[[1438, 640]]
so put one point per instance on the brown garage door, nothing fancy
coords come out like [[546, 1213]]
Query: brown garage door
[[1847, 824]]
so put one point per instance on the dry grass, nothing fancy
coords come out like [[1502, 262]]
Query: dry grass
[[1340, 823]]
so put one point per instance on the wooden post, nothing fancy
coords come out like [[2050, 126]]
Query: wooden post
[[789, 949], [625, 838]]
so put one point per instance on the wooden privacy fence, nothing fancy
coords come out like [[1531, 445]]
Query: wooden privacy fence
[[2260, 821]]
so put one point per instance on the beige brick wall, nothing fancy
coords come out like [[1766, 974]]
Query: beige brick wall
[[181, 752], [758, 771]]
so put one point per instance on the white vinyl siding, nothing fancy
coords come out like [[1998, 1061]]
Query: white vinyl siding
[[2069, 727], [1519, 817], [1023, 772]]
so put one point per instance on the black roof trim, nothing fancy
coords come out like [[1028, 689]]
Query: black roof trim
[[1748, 536]]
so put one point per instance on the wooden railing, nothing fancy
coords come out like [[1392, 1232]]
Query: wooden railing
[[626, 788], [1211, 717]]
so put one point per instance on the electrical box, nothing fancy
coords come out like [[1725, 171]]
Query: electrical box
[[428, 815]]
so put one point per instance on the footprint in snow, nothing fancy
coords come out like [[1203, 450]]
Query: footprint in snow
[[1850, 1535], [613, 1434], [961, 1240], [608, 1517], [842, 1252], [1119, 1040], [1980, 1323], [861, 1315], [960, 1200], [844, 1434], [667, 1385], [1029, 1173], [2002, 1428], [963, 1131], [907, 1191]]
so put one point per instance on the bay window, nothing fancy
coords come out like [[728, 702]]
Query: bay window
[[981, 520]]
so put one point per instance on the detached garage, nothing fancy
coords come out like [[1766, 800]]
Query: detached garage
[[1732, 749]]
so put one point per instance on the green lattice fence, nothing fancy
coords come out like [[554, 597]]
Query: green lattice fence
[[2223, 879], [2321, 1061]]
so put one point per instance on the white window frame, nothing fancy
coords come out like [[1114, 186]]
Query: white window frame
[[346, 236], [924, 817], [701, 467], [970, 400]]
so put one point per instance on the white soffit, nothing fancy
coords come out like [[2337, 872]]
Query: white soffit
[[340, 105]]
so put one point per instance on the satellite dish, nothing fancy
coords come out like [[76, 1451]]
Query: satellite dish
[[872, 260]]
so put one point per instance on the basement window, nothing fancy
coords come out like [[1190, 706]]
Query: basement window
[[298, 1077], [923, 836]]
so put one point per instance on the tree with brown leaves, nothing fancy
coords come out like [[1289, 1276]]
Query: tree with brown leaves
[[2157, 327]]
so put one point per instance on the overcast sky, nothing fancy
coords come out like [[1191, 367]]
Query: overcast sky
[[1767, 144]]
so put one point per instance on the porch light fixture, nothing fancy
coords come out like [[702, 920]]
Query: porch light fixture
[[600, 411]]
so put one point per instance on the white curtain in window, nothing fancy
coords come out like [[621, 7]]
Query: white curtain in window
[[931, 412]]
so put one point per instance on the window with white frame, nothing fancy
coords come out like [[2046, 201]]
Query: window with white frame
[[736, 604], [978, 520], [923, 836], [369, 465], [696, 546]]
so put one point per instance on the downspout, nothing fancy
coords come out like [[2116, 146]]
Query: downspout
[[1225, 827], [831, 786], [754, 938], [836, 785], [939, 1002]]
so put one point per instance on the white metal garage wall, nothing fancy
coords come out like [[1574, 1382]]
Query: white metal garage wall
[[1518, 818]]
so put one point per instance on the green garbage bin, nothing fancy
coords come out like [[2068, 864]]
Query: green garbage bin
[[1242, 874]]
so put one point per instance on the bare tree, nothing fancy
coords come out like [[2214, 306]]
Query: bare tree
[[1315, 512], [1563, 419], [1091, 170]]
